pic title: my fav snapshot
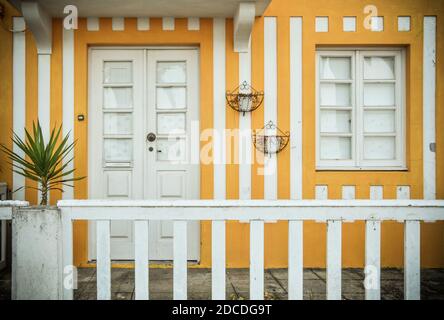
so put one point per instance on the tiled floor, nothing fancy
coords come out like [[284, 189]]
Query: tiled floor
[[276, 284]]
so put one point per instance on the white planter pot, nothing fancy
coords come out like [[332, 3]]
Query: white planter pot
[[37, 255]]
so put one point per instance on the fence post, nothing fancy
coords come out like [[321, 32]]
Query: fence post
[[36, 253]]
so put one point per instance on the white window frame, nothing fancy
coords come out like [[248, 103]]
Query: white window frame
[[357, 161]]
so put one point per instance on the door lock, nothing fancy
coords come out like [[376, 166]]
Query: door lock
[[151, 137]]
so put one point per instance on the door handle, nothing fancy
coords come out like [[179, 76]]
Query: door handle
[[151, 137]]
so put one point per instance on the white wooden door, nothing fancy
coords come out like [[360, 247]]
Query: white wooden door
[[172, 116], [135, 92]]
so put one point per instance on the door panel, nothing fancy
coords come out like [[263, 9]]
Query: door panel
[[172, 96], [132, 93]]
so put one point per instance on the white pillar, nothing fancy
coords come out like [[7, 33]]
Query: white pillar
[[18, 97]]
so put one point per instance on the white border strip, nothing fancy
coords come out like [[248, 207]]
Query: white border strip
[[219, 142], [118, 24], [68, 100], [193, 24], [92, 24], [245, 131], [168, 23], [296, 108], [18, 96], [429, 106], [44, 93], [143, 23], [270, 101]]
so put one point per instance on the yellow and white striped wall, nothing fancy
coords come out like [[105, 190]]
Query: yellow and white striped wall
[[281, 62]]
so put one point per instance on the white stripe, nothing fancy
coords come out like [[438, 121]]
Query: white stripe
[[429, 105], [118, 24], [245, 131], [296, 108], [219, 108], [92, 24], [168, 23], [18, 97], [193, 24], [44, 97], [143, 24], [218, 260], [68, 100], [270, 102]]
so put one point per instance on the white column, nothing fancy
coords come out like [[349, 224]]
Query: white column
[[429, 106], [68, 100], [18, 96], [296, 108]]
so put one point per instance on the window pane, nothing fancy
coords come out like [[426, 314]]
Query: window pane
[[379, 68], [170, 123], [379, 121], [171, 72], [335, 148], [335, 121], [118, 149], [117, 123], [379, 148], [336, 68], [379, 94], [171, 98], [171, 150], [117, 98], [117, 72], [335, 94]]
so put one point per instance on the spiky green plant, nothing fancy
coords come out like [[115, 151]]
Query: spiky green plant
[[42, 162]]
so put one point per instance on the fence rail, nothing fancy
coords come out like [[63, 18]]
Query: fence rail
[[256, 212]]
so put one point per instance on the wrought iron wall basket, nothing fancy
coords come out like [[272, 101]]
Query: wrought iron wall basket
[[244, 98], [270, 144]]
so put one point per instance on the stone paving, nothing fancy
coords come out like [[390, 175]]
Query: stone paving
[[276, 284]]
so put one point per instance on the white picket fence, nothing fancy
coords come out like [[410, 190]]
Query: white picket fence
[[256, 212]]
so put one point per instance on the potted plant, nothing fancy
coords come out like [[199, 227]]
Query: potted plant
[[37, 231], [42, 162]]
